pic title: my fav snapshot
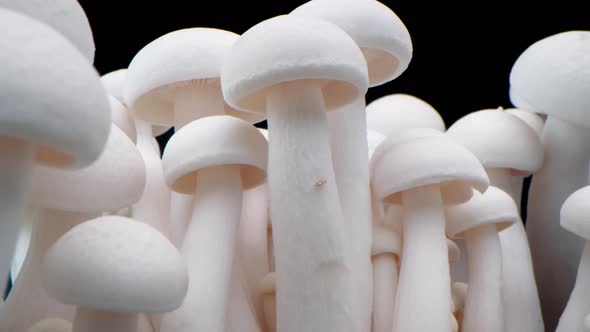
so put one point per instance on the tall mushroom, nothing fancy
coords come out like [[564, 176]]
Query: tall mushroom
[[560, 64], [112, 268], [424, 171], [61, 120], [508, 148], [295, 69], [478, 221], [66, 198], [575, 218], [214, 159], [387, 48]]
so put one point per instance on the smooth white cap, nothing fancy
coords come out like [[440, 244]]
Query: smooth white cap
[[552, 76], [533, 120], [50, 95], [499, 140], [291, 48], [214, 141], [373, 140], [116, 180], [65, 16], [493, 207], [51, 325], [175, 59], [393, 113], [386, 241], [377, 30], [115, 264], [575, 213]]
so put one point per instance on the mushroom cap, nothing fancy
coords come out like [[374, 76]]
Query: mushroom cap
[[122, 118], [214, 141], [376, 29], [422, 156], [268, 284], [55, 102], [116, 180], [493, 207], [533, 120], [291, 48], [393, 113], [386, 241], [51, 325], [116, 264], [65, 16], [499, 140], [552, 76], [114, 83], [181, 56], [575, 213], [373, 140]]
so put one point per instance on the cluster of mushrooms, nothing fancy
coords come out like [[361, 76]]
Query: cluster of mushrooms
[[339, 218]]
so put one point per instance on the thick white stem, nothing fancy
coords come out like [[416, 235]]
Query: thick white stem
[[28, 302], [241, 315], [483, 306], [195, 100], [578, 305], [520, 297], [89, 320], [423, 300], [385, 275], [208, 250], [315, 282], [270, 312], [181, 209], [555, 251], [348, 136], [153, 208], [16, 166]]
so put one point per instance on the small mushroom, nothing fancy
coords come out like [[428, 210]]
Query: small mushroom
[[113, 268]]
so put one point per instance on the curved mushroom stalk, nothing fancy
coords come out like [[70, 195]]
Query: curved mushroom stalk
[[241, 314], [573, 317]]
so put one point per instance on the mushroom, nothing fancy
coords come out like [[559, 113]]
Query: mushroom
[[560, 64], [52, 325], [478, 221], [214, 159], [65, 16], [459, 294], [574, 218], [61, 121], [295, 69], [387, 48], [423, 170], [267, 290], [509, 150], [66, 198], [112, 268], [385, 254], [241, 315]]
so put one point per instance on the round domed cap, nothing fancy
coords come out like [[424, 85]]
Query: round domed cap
[[65, 16], [122, 118], [373, 140], [115, 264], [391, 114], [531, 119], [575, 213], [552, 77], [176, 60], [210, 142], [419, 157], [114, 83], [493, 207], [290, 48], [377, 30], [56, 103], [51, 325], [385, 241], [116, 180], [499, 140]]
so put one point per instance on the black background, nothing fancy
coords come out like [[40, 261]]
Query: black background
[[462, 52]]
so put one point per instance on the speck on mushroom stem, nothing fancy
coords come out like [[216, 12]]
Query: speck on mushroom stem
[[578, 305], [195, 99], [425, 262], [209, 245], [314, 282], [565, 169], [90, 320]]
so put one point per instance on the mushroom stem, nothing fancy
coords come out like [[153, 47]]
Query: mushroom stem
[[28, 295], [573, 316], [197, 99], [314, 274], [15, 169], [424, 283], [520, 297], [270, 314], [181, 207], [385, 274], [483, 306], [208, 249], [555, 251], [89, 320]]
